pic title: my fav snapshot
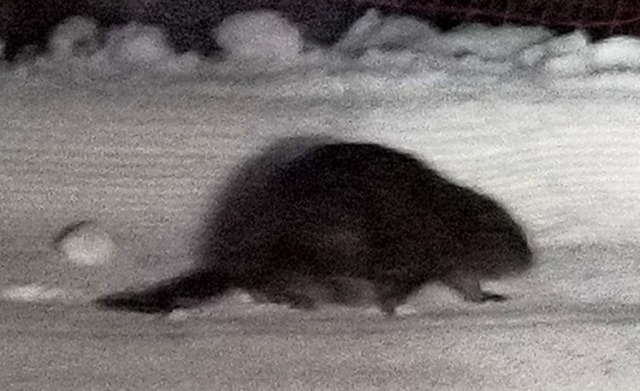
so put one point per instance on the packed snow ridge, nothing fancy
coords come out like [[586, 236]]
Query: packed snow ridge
[[262, 41]]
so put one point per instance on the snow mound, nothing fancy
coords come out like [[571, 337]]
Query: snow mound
[[260, 35], [401, 32], [492, 43], [75, 37], [386, 52], [78, 50], [617, 53], [139, 47]]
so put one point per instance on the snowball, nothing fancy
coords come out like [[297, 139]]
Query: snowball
[[617, 53], [86, 244], [75, 35], [260, 35]]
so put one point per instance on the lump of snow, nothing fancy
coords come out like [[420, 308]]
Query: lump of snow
[[75, 36], [400, 32], [86, 244], [141, 47], [490, 42], [531, 56], [570, 64], [566, 54], [138, 44], [260, 35], [358, 34], [617, 53], [567, 43]]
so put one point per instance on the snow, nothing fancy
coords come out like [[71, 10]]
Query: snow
[[75, 34], [260, 35], [617, 53], [85, 243], [492, 43], [567, 43], [120, 130]]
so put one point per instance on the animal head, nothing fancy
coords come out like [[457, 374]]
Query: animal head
[[495, 244]]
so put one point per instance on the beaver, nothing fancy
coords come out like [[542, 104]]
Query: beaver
[[321, 212]]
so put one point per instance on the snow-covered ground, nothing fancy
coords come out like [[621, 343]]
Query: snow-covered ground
[[139, 139]]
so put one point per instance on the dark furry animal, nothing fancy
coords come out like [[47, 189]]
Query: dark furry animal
[[187, 24], [316, 213]]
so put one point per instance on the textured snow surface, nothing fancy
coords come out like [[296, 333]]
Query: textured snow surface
[[139, 139]]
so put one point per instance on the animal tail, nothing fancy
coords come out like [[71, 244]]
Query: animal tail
[[181, 292]]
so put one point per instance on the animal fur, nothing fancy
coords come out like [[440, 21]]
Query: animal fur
[[319, 213]]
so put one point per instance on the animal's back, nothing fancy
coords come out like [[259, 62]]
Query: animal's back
[[333, 210], [369, 198]]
